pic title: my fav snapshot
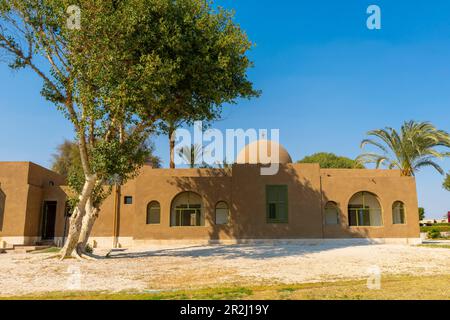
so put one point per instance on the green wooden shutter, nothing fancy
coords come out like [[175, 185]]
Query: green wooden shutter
[[277, 197]]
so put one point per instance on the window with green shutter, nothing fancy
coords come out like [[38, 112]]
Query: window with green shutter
[[277, 204]]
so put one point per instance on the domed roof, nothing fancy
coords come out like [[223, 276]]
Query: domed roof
[[251, 153]]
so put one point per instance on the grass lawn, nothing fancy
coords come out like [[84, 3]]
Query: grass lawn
[[441, 246], [392, 287], [443, 227], [48, 250]]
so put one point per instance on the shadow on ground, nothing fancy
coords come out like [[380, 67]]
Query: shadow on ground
[[254, 251]]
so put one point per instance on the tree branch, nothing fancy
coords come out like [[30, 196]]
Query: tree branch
[[9, 46]]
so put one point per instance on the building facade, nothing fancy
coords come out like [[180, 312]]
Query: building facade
[[301, 203], [32, 202]]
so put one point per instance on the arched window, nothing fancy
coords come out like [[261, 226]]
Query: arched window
[[364, 210], [153, 213], [398, 212], [222, 213], [2, 207], [331, 213], [186, 210]]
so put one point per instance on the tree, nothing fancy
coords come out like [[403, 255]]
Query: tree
[[191, 154], [113, 78], [416, 146], [447, 182], [194, 56], [174, 62], [211, 65], [66, 157], [67, 161], [153, 160], [35, 31], [421, 214], [330, 160], [100, 99]]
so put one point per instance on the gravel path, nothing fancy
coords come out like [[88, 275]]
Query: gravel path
[[165, 268]]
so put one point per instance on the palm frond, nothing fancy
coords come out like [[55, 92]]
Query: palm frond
[[429, 163], [384, 135], [366, 142], [417, 145], [191, 154], [368, 158]]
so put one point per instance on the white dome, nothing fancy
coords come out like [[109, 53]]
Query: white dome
[[263, 152]]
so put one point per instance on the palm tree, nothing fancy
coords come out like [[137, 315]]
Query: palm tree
[[191, 154], [170, 126], [414, 147], [224, 165], [447, 182]]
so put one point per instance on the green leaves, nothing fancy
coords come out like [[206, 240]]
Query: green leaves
[[330, 160], [447, 182], [421, 214], [119, 159], [204, 54], [132, 65], [192, 154], [417, 145], [67, 156], [113, 162]]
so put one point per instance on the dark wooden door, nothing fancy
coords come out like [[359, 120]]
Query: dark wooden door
[[49, 220]]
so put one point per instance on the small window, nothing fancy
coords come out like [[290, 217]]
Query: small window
[[222, 213], [331, 213], [128, 200], [398, 213], [153, 213], [277, 204]]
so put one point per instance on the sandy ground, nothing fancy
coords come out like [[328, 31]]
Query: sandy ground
[[166, 268]]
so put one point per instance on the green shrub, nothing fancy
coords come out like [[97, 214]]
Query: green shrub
[[89, 249], [434, 233], [441, 228]]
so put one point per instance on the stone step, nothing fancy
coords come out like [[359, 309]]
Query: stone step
[[6, 250]]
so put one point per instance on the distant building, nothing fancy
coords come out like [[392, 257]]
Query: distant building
[[430, 222]]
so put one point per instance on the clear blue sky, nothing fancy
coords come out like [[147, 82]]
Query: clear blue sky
[[326, 80]]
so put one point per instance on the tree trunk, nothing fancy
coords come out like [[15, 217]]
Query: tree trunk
[[116, 221], [172, 147], [88, 222], [76, 219]]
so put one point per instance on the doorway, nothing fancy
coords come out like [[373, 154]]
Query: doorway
[[49, 220]]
